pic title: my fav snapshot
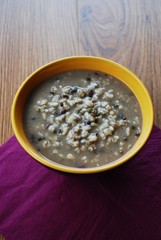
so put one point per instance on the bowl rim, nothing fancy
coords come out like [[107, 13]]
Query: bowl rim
[[75, 170]]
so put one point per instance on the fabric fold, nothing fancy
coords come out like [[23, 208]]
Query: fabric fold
[[37, 202]]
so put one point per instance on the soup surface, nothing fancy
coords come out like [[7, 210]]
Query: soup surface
[[82, 118]]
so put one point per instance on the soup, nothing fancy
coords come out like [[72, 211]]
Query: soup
[[82, 119]]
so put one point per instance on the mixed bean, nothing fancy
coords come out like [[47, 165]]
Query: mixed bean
[[82, 119]]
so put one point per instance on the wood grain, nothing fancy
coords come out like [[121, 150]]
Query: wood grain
[[33, 33], [126, 31]]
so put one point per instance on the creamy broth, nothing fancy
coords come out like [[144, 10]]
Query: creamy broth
[[82, 119]]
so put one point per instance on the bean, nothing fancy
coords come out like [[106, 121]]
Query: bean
[[70, 156], [32, 138], [63, 111], [97, 74], [137, 134], [59, 131], [63, 95], [88, 79], [40, 139], [73, 89], [90, 93], [87, 122], [120, 116], [47, 125], [125, 138], [116, 106], [81, 165]]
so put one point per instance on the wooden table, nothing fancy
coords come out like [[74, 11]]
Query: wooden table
[[35, 32]]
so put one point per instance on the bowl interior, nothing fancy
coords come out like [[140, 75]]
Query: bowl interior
[[83, 63]]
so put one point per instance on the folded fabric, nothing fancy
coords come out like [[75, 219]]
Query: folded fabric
[[38, 203]]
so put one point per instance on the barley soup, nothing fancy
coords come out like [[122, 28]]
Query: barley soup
[[82, 118]]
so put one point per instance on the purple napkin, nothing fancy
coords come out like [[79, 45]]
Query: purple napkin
[[40, 203]]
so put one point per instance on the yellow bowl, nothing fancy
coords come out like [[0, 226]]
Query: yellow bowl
[[86, 63]]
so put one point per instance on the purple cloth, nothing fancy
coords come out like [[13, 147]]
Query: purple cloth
[[38, 203]]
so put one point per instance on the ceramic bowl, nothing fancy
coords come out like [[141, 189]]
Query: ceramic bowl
[[79, 63]]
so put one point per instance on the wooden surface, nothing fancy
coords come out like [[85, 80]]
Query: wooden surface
[[34, 32]]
